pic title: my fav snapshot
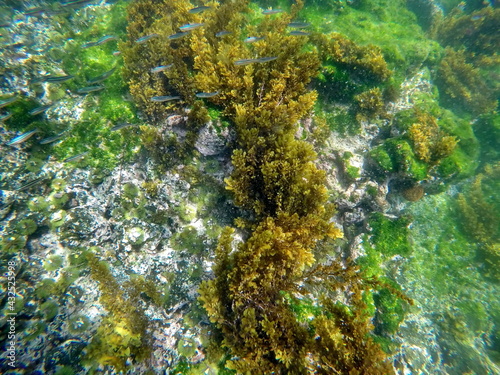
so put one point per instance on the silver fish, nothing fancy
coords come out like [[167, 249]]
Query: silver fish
[[477, 17], [222, 33], [32, 183], [272, 11], [178, 35], [299, 25], [75, 3], [121, 125], [267, 59], [105, 39], [199, 9], [6, 102], [102, 40], [54, 79], [252, 39], [52, 138], [88, 45], [164, 98], [89, 89], [117, 53], [299, 33], [5, 117], [40, 109], [22, 138], [190, 26], [102, 77], [161, 68], [145, 38], [35, 11], [206, 94], [246, 61], [76, 157]]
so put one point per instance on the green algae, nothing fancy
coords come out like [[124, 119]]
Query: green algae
[[104, 109], [390, 237], [189, 240], [435, 142], [49, 310], [381, 22], [53, 262], [445, 269], [26, 227]]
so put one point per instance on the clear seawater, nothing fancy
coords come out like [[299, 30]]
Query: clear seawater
[[92, 217]]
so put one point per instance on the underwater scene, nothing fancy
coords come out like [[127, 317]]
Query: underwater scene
[[250, 187]]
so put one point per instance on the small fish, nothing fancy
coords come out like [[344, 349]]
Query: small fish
[[87, 45], [246, 61], [38, 110], [121, 125], [5, 117], [76, 157], [105, 39], [178, 35], [58, 79], [222, 33], [252, 39], [117, 53], [272, 11], [54, 12], [4, 25], [89, 89], [52, 138], [164, 98], [267, 59], [35, 11], [199, 9], [6, 102], [190, 26], [102, 77], [145, 38], [299, 33], [206, 94], [299, 25], [22, 138], [477, 17], [102, 40], [32, 183], [75, 3], [161, 68]]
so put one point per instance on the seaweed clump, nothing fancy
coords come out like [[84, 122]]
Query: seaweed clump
[[122, 333], [463, 84], [429, 142], [480, 217], [468, 70], [477, 31], [262, 87]]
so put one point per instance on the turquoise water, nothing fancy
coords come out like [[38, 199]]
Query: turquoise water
[[127, 146]]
